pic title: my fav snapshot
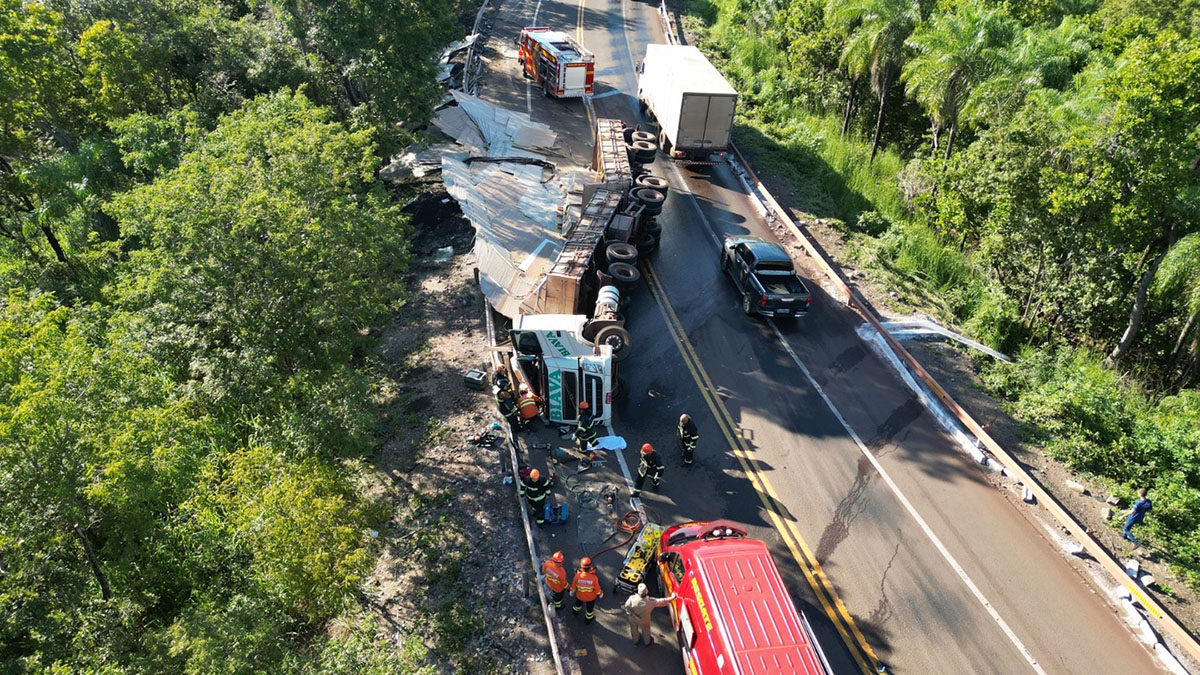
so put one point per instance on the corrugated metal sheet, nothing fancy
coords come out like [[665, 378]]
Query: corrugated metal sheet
[[516, 211]]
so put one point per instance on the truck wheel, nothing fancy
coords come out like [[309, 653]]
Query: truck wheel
[[746, 306], [652, 228], [621, 252], [646, 155], [650, 198], [653, 182], [643, 136], [646, 245], [617, 338], [640, 149], [627, 134], [626, 276]]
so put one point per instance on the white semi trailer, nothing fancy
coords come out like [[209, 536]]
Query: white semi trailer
[[688, 97]]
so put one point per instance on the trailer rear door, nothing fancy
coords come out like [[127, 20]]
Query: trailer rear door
[[705, 120]]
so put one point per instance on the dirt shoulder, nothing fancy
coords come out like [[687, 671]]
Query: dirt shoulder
[[452, 568]]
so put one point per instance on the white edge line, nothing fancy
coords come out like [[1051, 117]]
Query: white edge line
[[962, 574]]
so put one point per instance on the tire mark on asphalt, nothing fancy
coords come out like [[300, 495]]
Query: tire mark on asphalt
[[883, 611], [846, 512]]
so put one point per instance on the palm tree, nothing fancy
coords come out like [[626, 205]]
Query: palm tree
[[1038, 58], [954, 53], [876, 30]]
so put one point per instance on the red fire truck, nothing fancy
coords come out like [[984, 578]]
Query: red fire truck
[[556, 62], [732, 613]]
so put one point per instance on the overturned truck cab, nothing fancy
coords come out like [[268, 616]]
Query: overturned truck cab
[[555, 357]]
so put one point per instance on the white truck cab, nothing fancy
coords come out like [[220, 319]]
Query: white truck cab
[[562, 367]]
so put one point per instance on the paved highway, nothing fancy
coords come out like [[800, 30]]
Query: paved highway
[[895, 545]]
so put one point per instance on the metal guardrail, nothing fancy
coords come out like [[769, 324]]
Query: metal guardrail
[[551, 628]]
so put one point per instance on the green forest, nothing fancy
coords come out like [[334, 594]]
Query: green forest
[[1028, 171], [192, 239]]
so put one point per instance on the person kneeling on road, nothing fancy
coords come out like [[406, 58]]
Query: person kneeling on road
[[638, 608], [556, 578], [652, 465], [535, 488], [586, 587]]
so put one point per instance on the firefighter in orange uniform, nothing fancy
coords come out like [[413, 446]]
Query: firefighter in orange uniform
[[586, 587], [556, 578]]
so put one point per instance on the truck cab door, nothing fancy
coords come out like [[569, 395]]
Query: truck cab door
[[562, 388]]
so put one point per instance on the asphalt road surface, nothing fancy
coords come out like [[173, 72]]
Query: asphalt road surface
[[894, 544]]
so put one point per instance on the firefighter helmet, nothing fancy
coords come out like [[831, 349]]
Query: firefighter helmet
[[585, 563], [647, 448], [557, 557], [535, 475], [583, 405]]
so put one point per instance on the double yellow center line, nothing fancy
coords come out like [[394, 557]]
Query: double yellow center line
[[833, 606]]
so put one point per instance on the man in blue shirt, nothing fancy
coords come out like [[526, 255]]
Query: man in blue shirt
[[1137, 514]]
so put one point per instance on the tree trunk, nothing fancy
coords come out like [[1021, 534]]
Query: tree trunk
[[58, 249], [850, 100], [949, 144], [1135, 316], [105, 591], [1183, 335], [1033, 288], [878, 124]]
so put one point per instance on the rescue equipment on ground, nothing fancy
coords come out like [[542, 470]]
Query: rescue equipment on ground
[[640, 559]]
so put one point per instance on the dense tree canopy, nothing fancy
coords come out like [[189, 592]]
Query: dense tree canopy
[[192, 242]]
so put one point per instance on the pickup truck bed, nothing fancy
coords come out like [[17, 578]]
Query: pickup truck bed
[[764, 275]]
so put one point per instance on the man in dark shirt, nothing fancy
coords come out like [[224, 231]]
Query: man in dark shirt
[[1137, 514]]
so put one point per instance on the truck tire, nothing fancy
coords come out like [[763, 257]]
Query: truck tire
[[624, 275], [639, 151], [652, 228], [627, 134], [617, 338], [651, 199], [646, 155], [621, 252], [646, 245], [652, 181], [643, 136]]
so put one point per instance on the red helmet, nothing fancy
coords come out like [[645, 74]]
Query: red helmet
[[557, 557], [585, 563], [583, 405], [647, 448], [535, 475]]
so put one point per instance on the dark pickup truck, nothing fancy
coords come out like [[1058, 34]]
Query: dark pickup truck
[[764, 274]]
